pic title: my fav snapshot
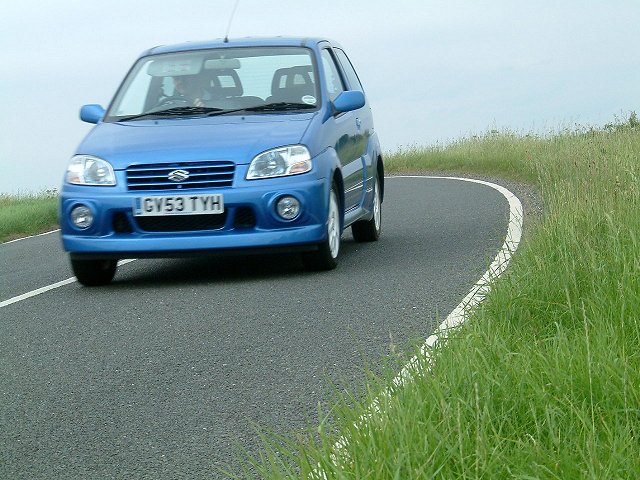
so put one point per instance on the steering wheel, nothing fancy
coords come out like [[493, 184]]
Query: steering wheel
[[175, 100]]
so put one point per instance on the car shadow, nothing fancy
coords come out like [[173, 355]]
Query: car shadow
[[218, 268]]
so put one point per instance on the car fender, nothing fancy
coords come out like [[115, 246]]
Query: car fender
[[329, 167], [374, 161]]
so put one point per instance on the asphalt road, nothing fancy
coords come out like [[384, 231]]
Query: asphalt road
[[167, 372]]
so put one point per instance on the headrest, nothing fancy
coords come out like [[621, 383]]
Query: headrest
[[292, 77], [226, 83]]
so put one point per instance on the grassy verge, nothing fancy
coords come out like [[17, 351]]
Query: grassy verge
[[544, 381], [27, 214]]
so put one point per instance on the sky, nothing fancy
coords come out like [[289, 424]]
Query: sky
[[434, 71]]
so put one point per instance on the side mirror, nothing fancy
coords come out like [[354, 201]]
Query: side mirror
[[348, 101], [91, 113]]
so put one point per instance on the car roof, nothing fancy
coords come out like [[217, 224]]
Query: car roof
[[240, 42]]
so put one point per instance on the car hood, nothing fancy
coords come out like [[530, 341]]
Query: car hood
[[238, 139]]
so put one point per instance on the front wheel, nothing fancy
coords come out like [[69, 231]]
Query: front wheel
[[369, 230], [94, 273], [326, 257]]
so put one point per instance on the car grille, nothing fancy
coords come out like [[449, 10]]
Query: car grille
[[242, 218], [199, 175], [182, 223], [120, 223]]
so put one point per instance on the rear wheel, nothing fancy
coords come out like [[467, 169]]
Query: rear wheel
[[93, 273], [326, 257], [369, 230]]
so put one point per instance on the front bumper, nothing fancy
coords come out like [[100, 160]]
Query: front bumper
[[116, 232]]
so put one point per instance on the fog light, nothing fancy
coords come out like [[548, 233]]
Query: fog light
[[288, 207], [82, 217]]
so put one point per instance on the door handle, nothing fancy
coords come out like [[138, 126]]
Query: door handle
[[358, 123]]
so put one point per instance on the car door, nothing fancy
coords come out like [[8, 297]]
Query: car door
[[364, 119], [347, 133]]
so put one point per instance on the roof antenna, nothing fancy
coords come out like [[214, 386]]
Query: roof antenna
[[226, 37]]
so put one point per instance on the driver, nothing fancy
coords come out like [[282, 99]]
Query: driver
[[192, 88]]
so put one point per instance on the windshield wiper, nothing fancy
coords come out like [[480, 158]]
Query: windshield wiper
[[270, 107], [212, 112], [173, 112], [280, 106], [222, 111]]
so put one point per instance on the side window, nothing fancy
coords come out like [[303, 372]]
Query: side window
[[332, 75], [347, 67]]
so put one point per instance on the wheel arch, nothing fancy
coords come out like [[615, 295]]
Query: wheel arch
[[380, 173], [338, 180]]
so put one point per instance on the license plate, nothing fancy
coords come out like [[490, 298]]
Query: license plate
[[178, 205]]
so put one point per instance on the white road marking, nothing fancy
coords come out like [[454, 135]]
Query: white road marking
[[38, 291], [32, 236], [480, 290], [454, 320], [53, 286]]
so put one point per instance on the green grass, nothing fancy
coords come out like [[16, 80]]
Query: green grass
[[27, 214], [544, 380]]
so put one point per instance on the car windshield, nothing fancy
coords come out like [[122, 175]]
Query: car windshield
[[258, 80]]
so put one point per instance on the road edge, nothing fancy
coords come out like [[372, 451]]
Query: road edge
[[479, 291], [454, 320]]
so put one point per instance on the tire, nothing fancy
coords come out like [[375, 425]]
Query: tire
[[369, 230], [94, 273], [326, 257]]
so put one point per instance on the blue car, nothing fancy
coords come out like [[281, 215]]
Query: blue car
[[251, 146]]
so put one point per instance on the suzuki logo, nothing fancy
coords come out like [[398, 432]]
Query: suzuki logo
[[178, 175]]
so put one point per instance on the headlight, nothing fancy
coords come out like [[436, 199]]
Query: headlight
[[280, 162], [88, 170]]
